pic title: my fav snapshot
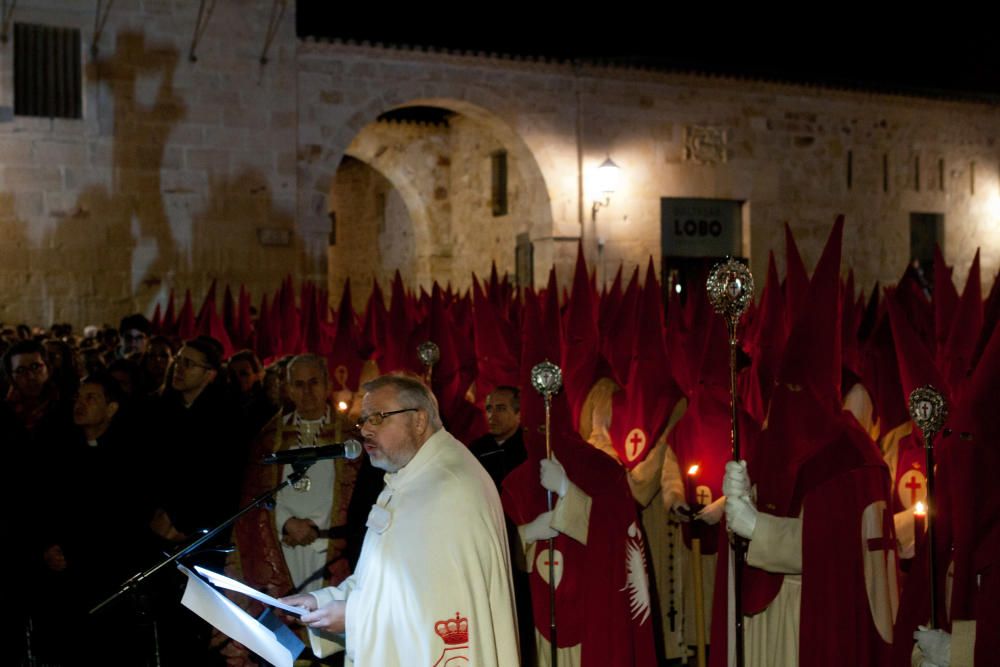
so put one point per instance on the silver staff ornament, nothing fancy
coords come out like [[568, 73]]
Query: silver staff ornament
[[928, 410], [429, 353], [546, 378], [730, 288]]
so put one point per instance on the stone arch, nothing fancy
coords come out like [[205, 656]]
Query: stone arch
[[334, 119], [535, 207]]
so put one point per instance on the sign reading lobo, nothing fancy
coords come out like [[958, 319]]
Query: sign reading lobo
[[701, 227]]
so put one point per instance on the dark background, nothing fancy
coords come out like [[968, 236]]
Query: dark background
[[951, 55]]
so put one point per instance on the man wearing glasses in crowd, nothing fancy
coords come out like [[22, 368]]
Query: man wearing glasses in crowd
[[433, 583]]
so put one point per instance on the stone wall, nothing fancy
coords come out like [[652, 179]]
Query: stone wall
[[782, 150], [436, 216], [168, 176], [181, 171]]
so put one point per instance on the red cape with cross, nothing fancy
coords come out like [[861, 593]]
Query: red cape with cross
[[602, 593]]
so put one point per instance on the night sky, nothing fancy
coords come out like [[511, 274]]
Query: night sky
[[928, 57]]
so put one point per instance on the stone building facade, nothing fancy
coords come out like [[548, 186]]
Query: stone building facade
[[181, 170]]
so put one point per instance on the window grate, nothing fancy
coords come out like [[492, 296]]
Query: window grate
[[47, 71]]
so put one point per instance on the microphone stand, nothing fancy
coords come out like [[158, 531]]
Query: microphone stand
[[299, 469]]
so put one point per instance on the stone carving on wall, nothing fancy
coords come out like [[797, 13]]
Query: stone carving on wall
[[705, 144]]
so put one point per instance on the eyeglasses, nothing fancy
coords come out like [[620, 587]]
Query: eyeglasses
[[187, 363], [376, 418], [34, 367]]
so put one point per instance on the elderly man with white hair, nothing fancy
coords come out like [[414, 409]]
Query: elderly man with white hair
[[433, 584]]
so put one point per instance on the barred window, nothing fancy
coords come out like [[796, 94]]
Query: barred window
[[47, 71], [498, 198]]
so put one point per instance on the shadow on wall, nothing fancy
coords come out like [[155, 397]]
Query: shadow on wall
[[124, 242]]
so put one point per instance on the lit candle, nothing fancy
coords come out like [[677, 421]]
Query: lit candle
[[338, 427], [919, 522], [691, 489]]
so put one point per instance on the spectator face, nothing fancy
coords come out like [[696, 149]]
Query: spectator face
[[157, 360], [124, 380], [308, 390], [392, 443], [92, 361], [30, 374], [243, 375], [191, 373], [272, 385], [91, 407], [134, 342], [502, 418]]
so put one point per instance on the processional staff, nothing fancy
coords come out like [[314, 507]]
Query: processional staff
[[730, 290], [429, 354], [929, 410], [546, 378]]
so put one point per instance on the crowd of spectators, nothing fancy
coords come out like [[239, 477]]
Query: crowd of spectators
[[127, 445]]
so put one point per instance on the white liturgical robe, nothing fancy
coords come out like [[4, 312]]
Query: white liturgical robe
[[313, 502], [433, 583]]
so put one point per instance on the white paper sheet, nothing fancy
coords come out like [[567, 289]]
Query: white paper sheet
[[222, 581], [220, 612]]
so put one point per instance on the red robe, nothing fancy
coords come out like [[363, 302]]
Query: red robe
[[603, 594], [262, 563], [834, 481]]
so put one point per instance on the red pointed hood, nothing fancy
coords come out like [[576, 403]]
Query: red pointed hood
[[914, 359], [373, 336], [955, 357], [768, 345], [617, 340], [644, 404], [581, 341], [229, 312], [796, 280], [206, 305], [264, 339], [344, 361], [991, 315], [169, 326], [400, 354], [244, 322], [805, 407], [497, 345], [541, 340], [609, 302], [945, 300], [156, 322], [881, 370], [185, 319]]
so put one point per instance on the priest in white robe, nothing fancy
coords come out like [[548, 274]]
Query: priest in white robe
[[433, 583]]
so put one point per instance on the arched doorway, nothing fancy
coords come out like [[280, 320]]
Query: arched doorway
[[438, 189]]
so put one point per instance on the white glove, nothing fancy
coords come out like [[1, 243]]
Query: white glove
[[736, 482], [539, 528], [554, 477], [741, 516], [935, 645], [711, 514], [681, 511]]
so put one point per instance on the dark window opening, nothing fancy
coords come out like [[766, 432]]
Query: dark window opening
[[498, 199], [926, 231], [47, 71]]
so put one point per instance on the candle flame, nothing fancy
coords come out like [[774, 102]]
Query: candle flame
[[342, 406], [693, 470], [920, 509]]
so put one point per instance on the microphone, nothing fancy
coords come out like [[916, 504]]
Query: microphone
[[349, 449]]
